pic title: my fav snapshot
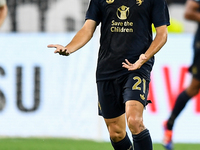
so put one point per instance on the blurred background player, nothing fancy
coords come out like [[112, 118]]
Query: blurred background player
[[3, 11], [192, 12]]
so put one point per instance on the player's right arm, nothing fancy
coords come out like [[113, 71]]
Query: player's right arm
[[82, 37], [3, 13], [192, 11]]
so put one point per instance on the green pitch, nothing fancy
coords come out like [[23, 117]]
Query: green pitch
[[69, 144]]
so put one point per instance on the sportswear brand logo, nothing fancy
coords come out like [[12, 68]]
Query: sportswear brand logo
[[142, 96], [139, 2], [109, 1], [123, 12]]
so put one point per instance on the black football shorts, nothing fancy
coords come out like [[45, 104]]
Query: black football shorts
[[113, 94], [194, 69]]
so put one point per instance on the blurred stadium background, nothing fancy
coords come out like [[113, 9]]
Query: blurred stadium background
[[67, 16], [45, 95]]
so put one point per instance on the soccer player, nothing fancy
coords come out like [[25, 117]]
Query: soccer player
[[3, 11], [125, 61], [192, 12]]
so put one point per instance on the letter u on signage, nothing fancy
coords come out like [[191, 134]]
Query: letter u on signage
[[19, 91]]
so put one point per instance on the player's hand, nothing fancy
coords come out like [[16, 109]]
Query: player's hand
[[59, 49], [142, 59]]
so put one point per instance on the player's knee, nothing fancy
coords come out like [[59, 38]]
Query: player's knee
[[116, 133], [196, 91], [192, 91], [116, 136], [135, 124]]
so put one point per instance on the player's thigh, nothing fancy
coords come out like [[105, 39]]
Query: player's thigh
[[135, 109], [116, 125], [134, 114]]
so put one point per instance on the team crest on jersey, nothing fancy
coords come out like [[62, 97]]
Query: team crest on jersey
[[139, 2], [109, 1], [123, 12]]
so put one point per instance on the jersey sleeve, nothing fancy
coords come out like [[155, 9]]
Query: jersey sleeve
[[160, 13], [94, 12]]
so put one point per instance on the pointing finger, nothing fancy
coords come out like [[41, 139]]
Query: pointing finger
[[52, 46]]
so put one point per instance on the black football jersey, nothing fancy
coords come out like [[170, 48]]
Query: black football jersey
[[126, 32], [196, 44]]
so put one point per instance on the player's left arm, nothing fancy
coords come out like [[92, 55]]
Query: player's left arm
[[81, 38], [192, 11], [158, 42]]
